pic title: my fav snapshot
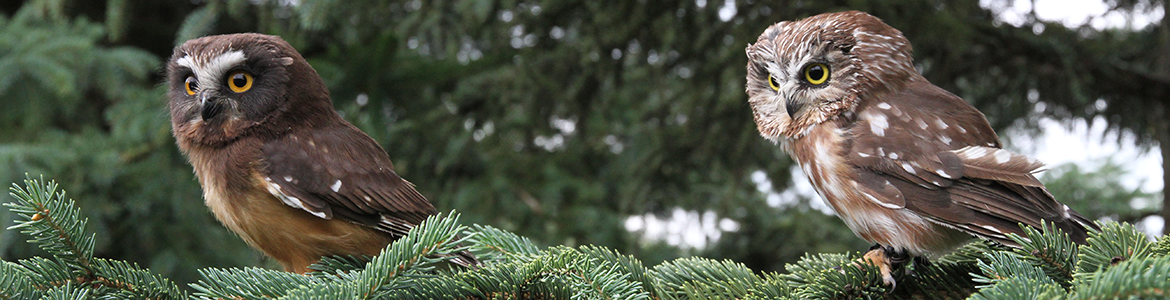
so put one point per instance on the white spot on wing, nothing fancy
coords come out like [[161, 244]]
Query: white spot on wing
[[879, 202], [1002, 156], [944, 174], [972, 152], [945, 139], [908, 168], [288, 178], [991, 228], [884, 105], [921, 124], [893, 155], [940, 123], [878, 124], [336, 186]]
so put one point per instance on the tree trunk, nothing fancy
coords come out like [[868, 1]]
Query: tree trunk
[[1163, 137], [1164, 143]]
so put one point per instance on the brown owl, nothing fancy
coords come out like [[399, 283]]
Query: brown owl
[[277, 164], [906, 164]]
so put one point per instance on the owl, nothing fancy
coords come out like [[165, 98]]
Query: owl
[[906, 164], [277, 164]]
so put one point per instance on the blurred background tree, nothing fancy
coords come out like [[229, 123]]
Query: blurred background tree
[[558, 120]]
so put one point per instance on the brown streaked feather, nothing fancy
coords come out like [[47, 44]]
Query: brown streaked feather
[[310, 164], [338, 171], [963, 181]]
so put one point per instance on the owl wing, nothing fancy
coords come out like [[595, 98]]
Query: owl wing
[[340, 172], [926, 150]]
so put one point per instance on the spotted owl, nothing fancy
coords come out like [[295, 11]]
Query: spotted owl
[[904, 163]]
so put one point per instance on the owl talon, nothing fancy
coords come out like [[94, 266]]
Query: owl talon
[[885, 260]]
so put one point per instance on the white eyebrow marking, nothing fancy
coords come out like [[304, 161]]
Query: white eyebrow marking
[[211, 72], [186, 62]]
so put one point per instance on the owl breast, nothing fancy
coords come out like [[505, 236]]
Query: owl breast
[[239, 201], [836, 180]]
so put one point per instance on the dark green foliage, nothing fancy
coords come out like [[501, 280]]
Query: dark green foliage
[[1139, 278], [17, 282], [407, 269], [1056, 254], [472, 118], [57, 227], [53, 223], [1115, 243]]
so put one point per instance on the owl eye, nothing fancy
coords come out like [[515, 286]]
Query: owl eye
[[240, 81], [772, 82], [816, 73], [190, 85]]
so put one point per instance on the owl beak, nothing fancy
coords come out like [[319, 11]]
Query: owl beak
[[210, 107], [793, 108]]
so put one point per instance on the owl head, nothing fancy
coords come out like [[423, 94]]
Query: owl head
[[224, 87], [806, 72]]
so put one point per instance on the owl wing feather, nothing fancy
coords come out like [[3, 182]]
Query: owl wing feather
[[937, 156], [340, 172]]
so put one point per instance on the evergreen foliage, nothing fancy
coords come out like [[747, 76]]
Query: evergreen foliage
[[553, 121], [415, 267]]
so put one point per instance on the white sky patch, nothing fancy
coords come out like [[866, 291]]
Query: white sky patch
[[1087, 145], [727, 11], [1071, 13], [682, 228]]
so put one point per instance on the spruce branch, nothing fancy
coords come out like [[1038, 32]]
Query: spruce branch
[[338, 264], [16, 282], [127, 280], [1115, 243], [834, 276], [248, 283], [433, 241], [69, 292], [54, 223], [694, 277], [628, 264], [1162, 246], [1000, 266], [1136, 278], [1021, 288], [1050, 249], [490, 244]]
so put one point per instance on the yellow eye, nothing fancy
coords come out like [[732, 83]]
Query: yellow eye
[[816, 74], [772, 82], [240, 81], [191, 85]]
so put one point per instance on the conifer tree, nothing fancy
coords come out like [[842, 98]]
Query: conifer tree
[[1118, 262]]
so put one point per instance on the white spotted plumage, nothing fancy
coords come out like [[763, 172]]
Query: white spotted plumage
[[875, 137]]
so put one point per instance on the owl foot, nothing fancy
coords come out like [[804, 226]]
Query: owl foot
[[887, 260]]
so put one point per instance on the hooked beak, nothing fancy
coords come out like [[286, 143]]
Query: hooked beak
[[210, 107], [793, 108]]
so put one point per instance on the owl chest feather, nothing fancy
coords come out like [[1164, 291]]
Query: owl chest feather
[[822, 156], [236, 193]]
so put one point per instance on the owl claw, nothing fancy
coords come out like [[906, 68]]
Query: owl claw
[[886, 260]]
